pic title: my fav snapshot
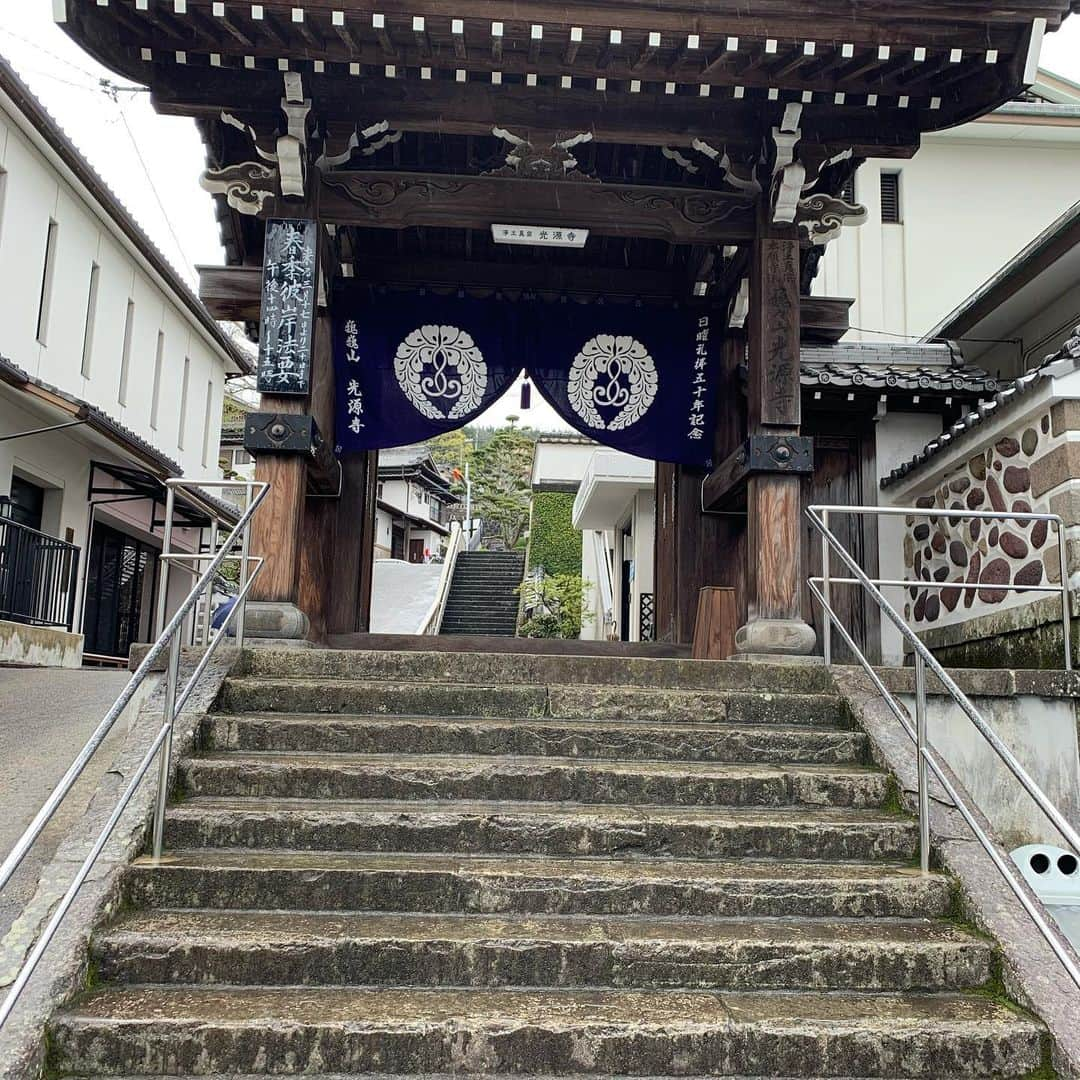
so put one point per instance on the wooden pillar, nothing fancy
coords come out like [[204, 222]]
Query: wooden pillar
[[697, 550], [775, 625]]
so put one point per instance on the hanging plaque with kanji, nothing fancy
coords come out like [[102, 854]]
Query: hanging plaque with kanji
[[290, 272]]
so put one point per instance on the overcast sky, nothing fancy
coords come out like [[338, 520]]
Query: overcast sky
[[154, 162]]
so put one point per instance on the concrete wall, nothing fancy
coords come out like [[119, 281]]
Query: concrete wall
[[39, 646], [1040, 731], [963, 218]]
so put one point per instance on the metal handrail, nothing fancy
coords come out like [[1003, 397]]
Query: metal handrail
[[162, 745], [432, 622], [926, 757], [953, 515]]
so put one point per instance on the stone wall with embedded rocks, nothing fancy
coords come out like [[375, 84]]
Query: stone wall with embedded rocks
[[1031, 465]]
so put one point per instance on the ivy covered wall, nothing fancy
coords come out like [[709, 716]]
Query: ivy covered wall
[[554, 542]]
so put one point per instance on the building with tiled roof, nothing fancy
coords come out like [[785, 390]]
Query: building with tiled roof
[[112, 380]]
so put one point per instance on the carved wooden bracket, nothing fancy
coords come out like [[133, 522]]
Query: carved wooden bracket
[[542, 157], [823, 217], [246, 186]]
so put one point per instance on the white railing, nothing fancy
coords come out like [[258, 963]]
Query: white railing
[[602, 558], [432, 621], [926, 757], [168, 640]]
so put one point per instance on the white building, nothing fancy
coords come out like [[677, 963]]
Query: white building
[[615, 510], [411, 519], [941, 222], [102, 340]]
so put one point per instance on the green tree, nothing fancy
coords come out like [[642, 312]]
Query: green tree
[[501, 474], [453, 450]]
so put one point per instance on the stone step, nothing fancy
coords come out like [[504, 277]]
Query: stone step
[[330, 881], [169, 1031], [443, 1076], [481, 668], [539, 828], [531, 779], [330, 695], [628, 952], [588, 739]]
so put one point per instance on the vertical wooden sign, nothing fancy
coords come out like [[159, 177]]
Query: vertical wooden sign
[[774, 334], [290, 278]]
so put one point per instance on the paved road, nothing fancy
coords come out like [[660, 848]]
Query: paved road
[[45, 717], [401, 595]]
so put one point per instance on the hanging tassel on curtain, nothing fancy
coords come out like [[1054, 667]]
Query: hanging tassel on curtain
[[526, 394]]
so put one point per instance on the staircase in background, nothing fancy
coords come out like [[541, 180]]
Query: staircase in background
[[483, 594], [418, 865]]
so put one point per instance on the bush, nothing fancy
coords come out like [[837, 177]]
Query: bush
[[555, 606], [556, 544]]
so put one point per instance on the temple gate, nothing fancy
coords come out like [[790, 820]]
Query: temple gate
[[375, 149]]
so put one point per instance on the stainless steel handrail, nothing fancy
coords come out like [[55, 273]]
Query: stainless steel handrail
[[161, 747], [824, 513], [926, 756]]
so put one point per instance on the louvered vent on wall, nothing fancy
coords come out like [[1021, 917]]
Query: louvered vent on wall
[[890, 198]]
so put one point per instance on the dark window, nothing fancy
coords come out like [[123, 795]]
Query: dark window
[[26, 504], [47, 282], [890, 198]]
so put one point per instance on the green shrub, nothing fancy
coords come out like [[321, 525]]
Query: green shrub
[[556, 606], [556, 544]]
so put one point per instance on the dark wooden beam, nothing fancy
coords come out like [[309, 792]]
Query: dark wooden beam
[[403, 200], [474, 109]]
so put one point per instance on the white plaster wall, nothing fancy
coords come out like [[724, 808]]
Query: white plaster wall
[[899, 436], [35, 192], [968, 206], [1041, 732], [562, 463]]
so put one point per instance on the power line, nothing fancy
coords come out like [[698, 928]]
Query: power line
[[153, 187]]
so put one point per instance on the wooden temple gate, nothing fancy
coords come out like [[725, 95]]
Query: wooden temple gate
[[704, 144]]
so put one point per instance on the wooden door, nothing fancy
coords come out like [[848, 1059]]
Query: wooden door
[[843, 475], [416, 551]]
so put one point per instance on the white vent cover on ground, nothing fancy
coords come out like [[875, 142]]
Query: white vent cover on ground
[[1052, 872]]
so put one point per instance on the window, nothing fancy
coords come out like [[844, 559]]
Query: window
[[91, 316], [379, 491], [206, 424], [125, 356], [241, 457], [3, 194], [159, 360], [47, 283], [890, 199], [183, 403]]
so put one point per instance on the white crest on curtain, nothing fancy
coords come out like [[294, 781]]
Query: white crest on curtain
[[436, 365], [612, 373]]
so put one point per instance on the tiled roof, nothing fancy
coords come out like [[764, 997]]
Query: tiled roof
[[101, 421], [1064, 361], [925, 369]]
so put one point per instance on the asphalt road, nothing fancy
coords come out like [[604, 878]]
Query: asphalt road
[[45, 717]]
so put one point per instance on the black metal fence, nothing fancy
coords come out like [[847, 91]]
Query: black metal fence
[[38, 576]]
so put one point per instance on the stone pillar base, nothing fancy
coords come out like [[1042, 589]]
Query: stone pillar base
[[276, 621], [776, 641]]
